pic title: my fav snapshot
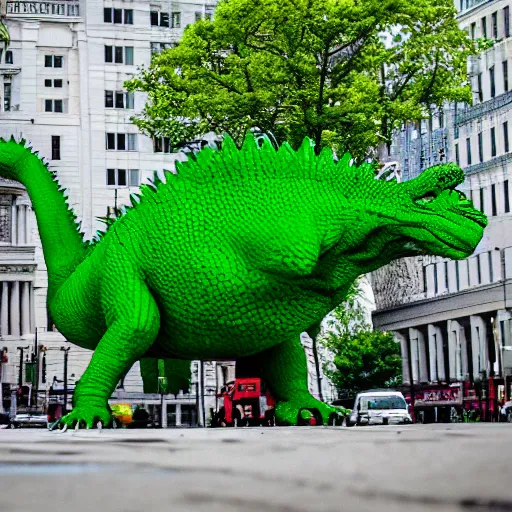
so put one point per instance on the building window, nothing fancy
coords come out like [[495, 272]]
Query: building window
[[9, 57], [506, 21], [160, 47], [457, 158], [133, 177], [128, 55], [128, 16], [473, 30], [492, 82], [505, 137], [176, 19], [480, 148], [153, 16], [199, 15], [468, 150], [54, 106], [116, 177], [494, 21], [53, 61], [129, 101], [478, 269], [7, 96], [122, 99], [123, 177], [119, 100], [109, 99], [117, 53], [108, 54], [482, 205], [494, 209], [506, 197], [162, 145], [457, 275], [484, 27], [53, 83], [107, 15], [118, 141], [164, 19], [118, 16], [493, 141], [505, 76], [121, 142], [479, 87], [55, 147]]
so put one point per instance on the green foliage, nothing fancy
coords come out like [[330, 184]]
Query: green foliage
[[363, 358], [4, 35], [320, 68]]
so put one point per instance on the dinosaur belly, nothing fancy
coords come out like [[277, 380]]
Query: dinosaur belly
[[230, 320]]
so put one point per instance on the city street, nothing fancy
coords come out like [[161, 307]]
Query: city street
[[449, 467]]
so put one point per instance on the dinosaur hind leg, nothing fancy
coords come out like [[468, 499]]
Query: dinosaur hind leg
[[175, 371], [132, 329], [284, 369]]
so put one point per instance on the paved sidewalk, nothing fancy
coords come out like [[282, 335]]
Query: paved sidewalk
[[454, 467]]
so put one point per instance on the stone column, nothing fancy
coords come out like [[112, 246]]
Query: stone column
[[25, 307], [32, 309], [4, 310], [418, 340], [14, 224], [404, 349], [479, 345], [15, 308], [164, 414], [178, 415], [453, 341], [21, 225], [441, 372], [464, 352], [432, 352]]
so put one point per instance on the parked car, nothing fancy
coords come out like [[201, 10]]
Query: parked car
[[5, 421], [30, 419], [379, 407], [506, 412]]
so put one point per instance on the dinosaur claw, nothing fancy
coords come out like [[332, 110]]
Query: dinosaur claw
[[63, 429]]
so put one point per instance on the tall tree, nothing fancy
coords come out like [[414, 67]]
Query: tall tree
[[343, 72], [363, 358]]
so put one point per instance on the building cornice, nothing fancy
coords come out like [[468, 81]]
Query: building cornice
[[481, 109]]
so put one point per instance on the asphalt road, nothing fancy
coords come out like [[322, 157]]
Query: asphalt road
[[452, 467]]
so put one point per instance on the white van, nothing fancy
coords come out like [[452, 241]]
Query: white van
[[379, 407]]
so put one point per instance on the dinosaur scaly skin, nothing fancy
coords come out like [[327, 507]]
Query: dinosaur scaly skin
[[232, 258]]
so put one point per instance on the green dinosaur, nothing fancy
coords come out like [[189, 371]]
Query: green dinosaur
[[232, 258]]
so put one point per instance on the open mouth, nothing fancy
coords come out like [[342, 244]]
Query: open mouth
[[456, 200]]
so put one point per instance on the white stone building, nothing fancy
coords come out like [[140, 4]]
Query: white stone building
[[453, 317]]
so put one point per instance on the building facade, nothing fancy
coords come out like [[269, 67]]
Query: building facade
[[452, 318]]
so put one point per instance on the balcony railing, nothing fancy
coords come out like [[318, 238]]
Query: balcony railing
[[62, 8]]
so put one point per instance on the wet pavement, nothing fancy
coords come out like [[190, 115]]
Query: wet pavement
[[452, 467]]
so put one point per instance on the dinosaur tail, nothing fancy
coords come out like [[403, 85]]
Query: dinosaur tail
[[63, 245]]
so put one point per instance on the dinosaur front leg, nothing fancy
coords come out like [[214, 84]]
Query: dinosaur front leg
[[131, 332], [284, 369]]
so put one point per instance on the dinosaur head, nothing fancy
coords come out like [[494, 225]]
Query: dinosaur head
[[426, 215]]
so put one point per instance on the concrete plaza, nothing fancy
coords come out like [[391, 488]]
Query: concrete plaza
[[451, 467]]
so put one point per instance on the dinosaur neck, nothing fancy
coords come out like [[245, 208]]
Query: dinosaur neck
[[62, 243]]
